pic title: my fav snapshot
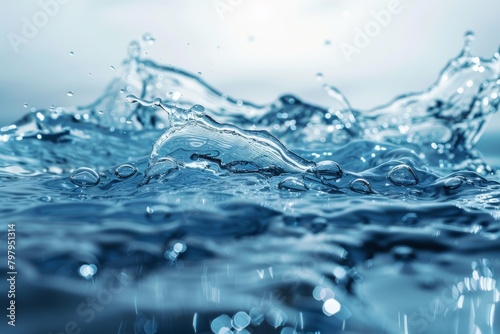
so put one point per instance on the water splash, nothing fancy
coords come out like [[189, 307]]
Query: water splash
[[289, 215]]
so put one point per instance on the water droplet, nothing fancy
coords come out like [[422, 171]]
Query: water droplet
[[198, 110], [125, 171], [327, 42], [221, 324], [251, 38], [148, 38], [402, 175], [453, 183], [327, 170], [25, 105], [361, 186], [87, 271], [199, 73], [71, 53], [469, 37], [84, 177], [319, 76], [70, 93], [241, 320], [134, 49], [112, 67], [292, 183]]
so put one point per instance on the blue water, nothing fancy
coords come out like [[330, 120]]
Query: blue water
[[167, 206]]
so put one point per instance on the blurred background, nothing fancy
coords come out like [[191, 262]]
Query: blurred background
[[254, 50]]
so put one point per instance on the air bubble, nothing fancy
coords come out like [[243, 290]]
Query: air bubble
[[84, 177], [361, 186], [453, 183], [402, 175], [292, 184], [125, 171], [327, 170]]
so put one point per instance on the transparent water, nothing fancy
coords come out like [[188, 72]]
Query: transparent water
[[169, 207]]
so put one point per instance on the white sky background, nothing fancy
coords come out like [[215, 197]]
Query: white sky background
[[266, 47]]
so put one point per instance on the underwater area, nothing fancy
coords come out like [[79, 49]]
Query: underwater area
[[167, 206]]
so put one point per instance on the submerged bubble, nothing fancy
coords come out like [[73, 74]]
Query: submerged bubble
[[402, 175], [87, 271], [256, 316], [453, 183], [276, 317], [241, 320], [221, 325], [125, 171], [84, 177], [292, 183], [361, 186]]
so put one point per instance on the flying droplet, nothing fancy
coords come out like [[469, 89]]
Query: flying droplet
[[125, 171], [148, 38], [319, 76], [25, 105], [453, 183], [361, 186], [84, 177], [292, 183], [71, 53], [402, 175], [112, 67], [199, 73], [70, 93], [328, 42], [134, 49]]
